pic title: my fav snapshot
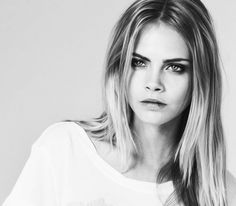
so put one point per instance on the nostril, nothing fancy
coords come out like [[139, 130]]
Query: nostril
[[154, 87]]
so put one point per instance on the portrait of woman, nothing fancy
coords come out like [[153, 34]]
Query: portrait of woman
[[159, 140]]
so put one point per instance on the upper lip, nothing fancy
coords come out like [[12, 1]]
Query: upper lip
[[152, 100]]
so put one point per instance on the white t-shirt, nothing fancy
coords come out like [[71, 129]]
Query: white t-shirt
[[64, 169]]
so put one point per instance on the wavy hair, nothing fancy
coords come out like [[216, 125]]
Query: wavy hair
[[198, 163]]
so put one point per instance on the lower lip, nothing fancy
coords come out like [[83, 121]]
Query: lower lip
[[153, 106]]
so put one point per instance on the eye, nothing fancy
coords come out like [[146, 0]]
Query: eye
[[137, 63], [176, 67]]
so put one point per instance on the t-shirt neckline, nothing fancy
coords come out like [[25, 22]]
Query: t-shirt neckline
[[165, 188]]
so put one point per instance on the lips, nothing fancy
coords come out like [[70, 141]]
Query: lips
[[153, 104], [153, 101]]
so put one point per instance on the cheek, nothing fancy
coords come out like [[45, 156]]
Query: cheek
[[135, 87], [181, 90]]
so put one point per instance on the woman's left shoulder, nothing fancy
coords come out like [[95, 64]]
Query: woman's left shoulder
[[231, 189]]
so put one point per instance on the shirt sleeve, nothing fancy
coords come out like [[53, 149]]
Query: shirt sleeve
[[35, 185]]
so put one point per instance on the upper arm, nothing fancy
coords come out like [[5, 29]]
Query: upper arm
[[35, 184], [231, 189]]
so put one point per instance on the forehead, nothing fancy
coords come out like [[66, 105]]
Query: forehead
[[161, 40]]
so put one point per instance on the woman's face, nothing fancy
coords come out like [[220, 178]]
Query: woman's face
[[160, 71]]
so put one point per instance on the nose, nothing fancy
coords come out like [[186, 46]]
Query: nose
[[154, 82], [154, 87]]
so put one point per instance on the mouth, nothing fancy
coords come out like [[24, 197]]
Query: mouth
[[153, 104], [153, 101]]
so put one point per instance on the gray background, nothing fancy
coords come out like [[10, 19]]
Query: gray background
[[51, 58]]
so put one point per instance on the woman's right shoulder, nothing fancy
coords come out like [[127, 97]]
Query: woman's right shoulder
[[56, 135]]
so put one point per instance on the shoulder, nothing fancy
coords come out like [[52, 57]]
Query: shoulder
[[231, 189], [56, 135]]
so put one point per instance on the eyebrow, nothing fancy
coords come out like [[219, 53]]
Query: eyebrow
[[165, 61]]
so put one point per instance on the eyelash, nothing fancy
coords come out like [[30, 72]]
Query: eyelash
[[135, 61], [178, 68]]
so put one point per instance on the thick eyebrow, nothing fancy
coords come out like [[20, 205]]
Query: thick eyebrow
[[176, 60], [140, 56], [165, 61]]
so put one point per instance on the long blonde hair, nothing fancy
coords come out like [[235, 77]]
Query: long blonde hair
[[198, 164]]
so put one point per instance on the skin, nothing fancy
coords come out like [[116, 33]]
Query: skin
[[152, 77], [155, 129]]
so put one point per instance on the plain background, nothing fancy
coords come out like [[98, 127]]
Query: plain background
[[51, 59]]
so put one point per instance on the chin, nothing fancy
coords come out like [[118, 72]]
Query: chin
[[154, 118]]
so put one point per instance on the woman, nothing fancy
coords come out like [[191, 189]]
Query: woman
[[159, 140]]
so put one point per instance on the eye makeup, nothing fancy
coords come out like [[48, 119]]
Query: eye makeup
[[178, 68], [136, 62], [139, 60]]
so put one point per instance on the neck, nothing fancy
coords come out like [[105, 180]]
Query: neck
[[155, 143]]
